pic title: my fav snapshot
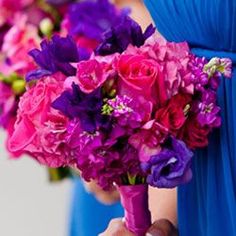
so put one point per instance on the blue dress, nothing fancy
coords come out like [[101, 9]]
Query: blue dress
[[207, 205], [88, 216]]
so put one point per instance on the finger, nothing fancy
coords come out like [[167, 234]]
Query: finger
[[113, 228], [162, 228], [116, 227]]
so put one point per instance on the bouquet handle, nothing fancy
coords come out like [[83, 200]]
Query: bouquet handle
[[134, 199]]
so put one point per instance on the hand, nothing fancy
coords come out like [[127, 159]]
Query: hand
[[116, 227], [105, 197], [160, 228]]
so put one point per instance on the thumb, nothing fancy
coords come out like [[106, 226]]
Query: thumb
[[162, 228]]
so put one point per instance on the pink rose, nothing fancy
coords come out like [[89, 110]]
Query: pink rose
[[90, 75], [142, 76], [172, 58], [39, 129]]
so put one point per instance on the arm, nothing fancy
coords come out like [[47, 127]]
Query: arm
[[163, 204], [138, 11]]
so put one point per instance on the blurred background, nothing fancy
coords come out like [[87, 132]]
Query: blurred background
[[29, 204]]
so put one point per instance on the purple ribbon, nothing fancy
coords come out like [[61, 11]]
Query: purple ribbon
[[134, 199]]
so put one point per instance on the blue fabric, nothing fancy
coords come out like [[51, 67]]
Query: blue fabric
[[207, 205], [88, 216]]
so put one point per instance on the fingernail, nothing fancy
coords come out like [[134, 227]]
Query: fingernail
[[155, 232]]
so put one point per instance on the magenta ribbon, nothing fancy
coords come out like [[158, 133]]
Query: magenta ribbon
[[134, 199]]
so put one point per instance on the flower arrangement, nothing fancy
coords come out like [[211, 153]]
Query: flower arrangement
[[96, 93], [130, 115]]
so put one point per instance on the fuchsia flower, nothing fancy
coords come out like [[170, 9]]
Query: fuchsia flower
[[40, 130], [90, 75], [148, 139], [101, 158], [80, 141], [18, 41], [108, 165], [127, 112], [208, 110]]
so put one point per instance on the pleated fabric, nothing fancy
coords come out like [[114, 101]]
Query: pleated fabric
[[207, 205]]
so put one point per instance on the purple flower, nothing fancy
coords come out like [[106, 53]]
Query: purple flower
[[171, 167], [130, 160], [122, 108], [121, 35], [206, 74], [81, 142], [208, 110], [104, 15], [86, 107], [109, 165], [102, 165], [198, 77], [55, 55]]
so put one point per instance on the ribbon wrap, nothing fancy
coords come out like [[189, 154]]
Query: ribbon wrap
[[134, 199]]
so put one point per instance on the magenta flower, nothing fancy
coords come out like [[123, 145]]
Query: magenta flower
[[208, 110], [90, 75], [109, 165], [148, 139], [124, 111], [81, 142], [197, 76]]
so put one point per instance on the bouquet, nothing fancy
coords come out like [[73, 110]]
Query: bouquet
[[130, 115]]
